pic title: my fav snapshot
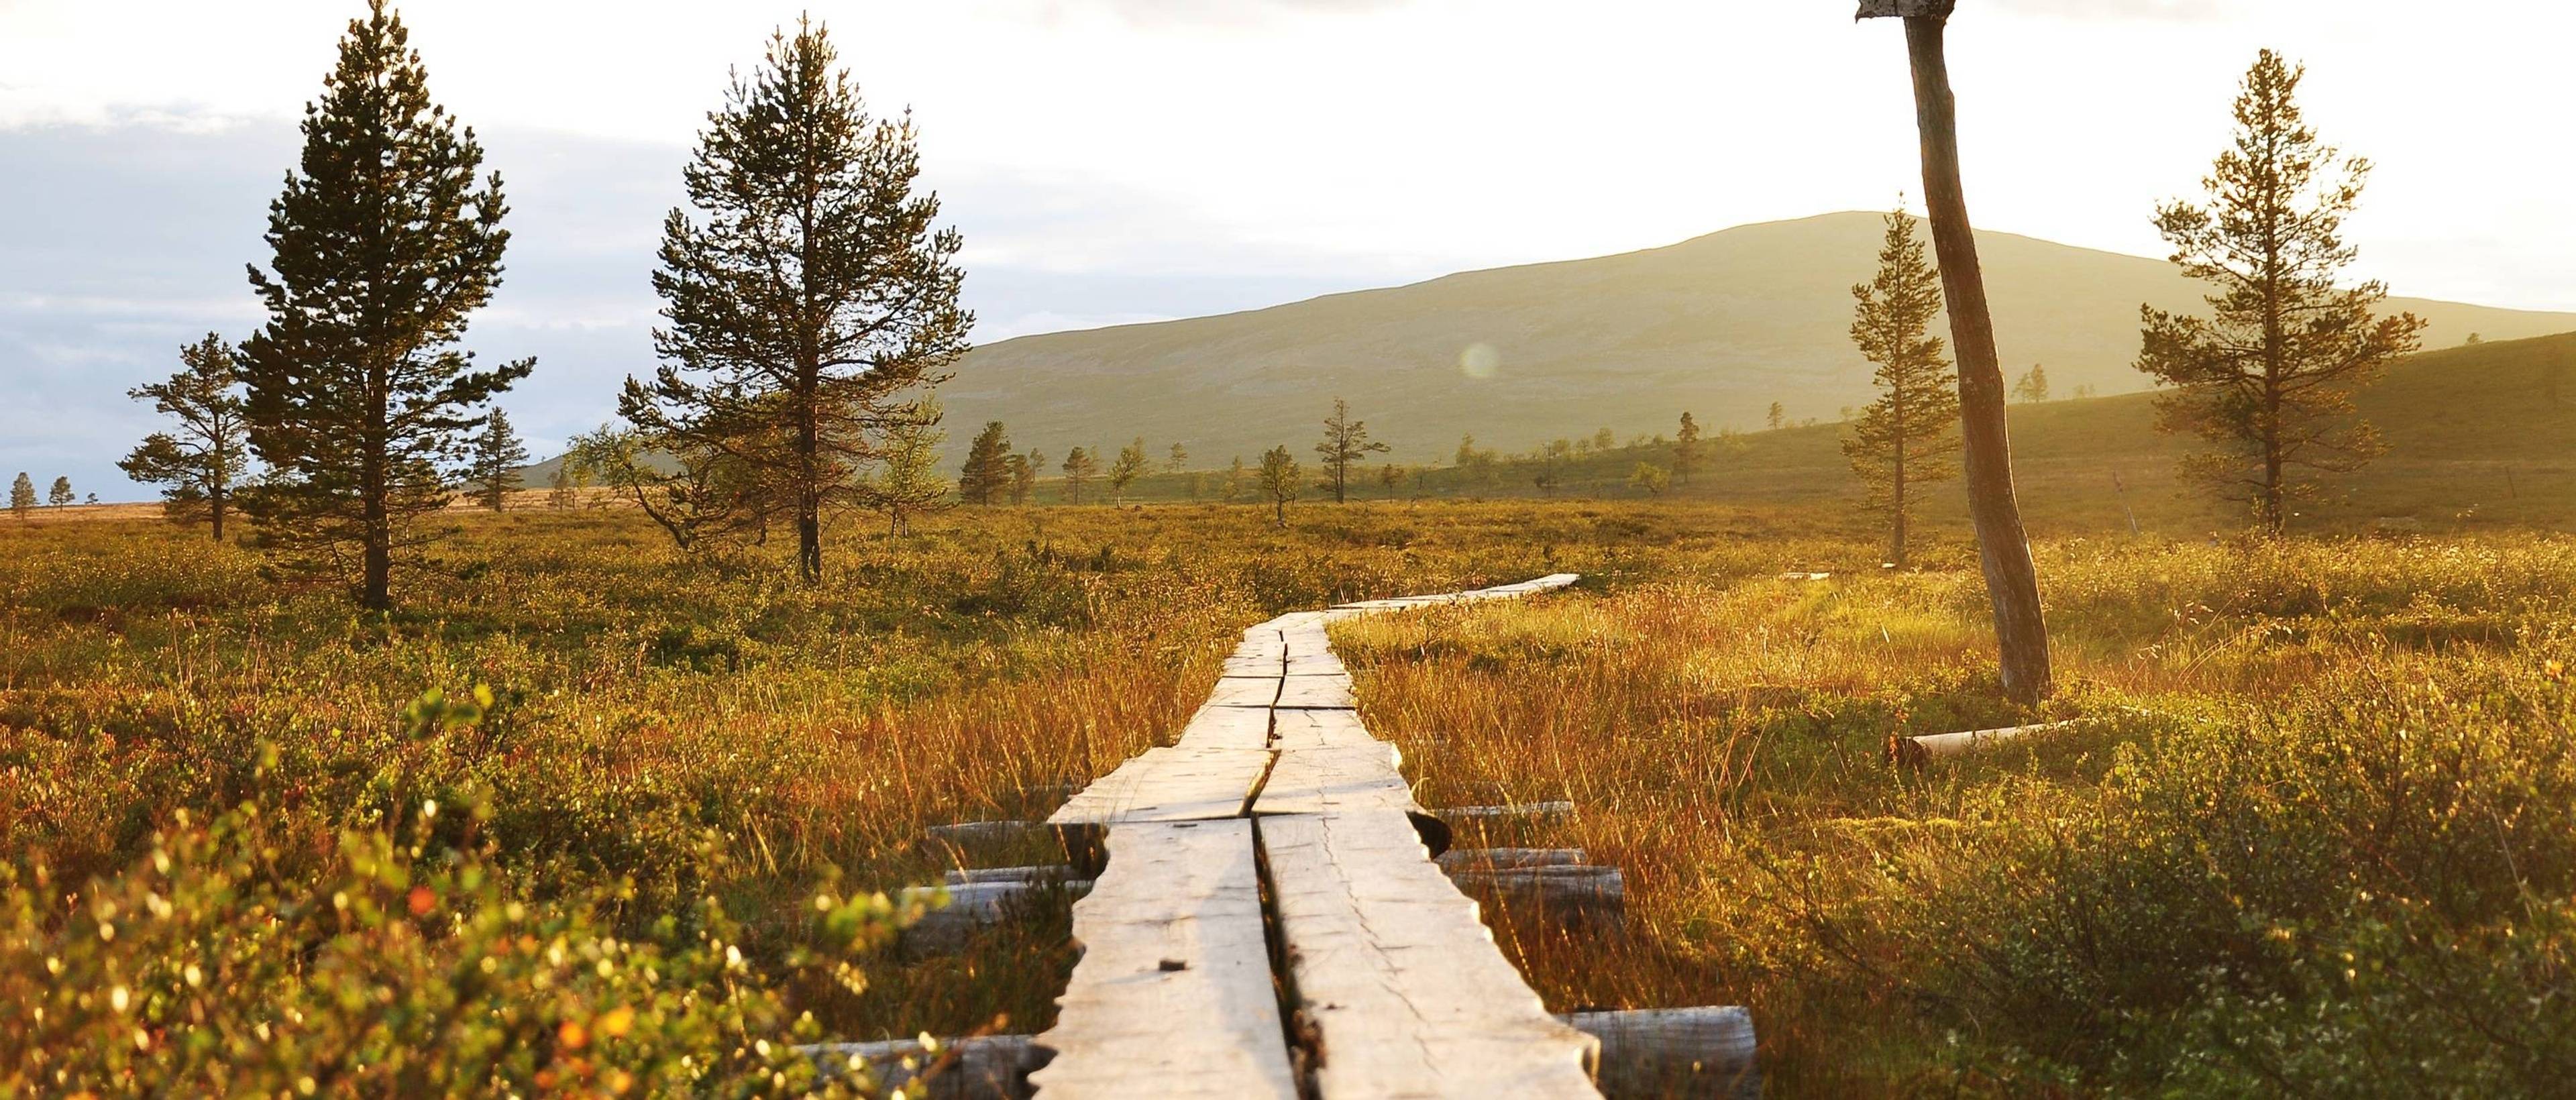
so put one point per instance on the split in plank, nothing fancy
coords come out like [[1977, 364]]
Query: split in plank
[[1173, 994], [1403, 987]]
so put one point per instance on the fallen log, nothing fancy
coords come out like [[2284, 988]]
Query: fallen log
[[1052, 872], [984, 832], [972, 906], [1490, 859], [1650, 1052], [1659, 1052], [1922, 749], [1577, 896], [981, 1067], [1493, 815]]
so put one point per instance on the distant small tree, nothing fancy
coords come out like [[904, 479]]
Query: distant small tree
[[562, 488], [2084, 390], [1475, 463], [22, 496], [494, 467], [696, 494], [1234, 480], [1685, 449], [1651, 478], [199, 463], [90, 499], [1605, 441], [906, 482], [1904, 438], [1346, 442], [2033, 386], [1127, 467], [2268, 377], [1390, 475], [1280, 479], [1778, 417], [2474, 340], [1179, 459], [60, 493], [986, 477], [1024, 475], [1079, 469]]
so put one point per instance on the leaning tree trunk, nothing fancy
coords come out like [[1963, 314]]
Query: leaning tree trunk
[[2003, 549]]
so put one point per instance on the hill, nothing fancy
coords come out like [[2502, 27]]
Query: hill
[[2476, 434], [1723, 325]]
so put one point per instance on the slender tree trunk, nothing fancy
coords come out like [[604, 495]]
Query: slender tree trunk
[[215, 502], [2003, 549], [1896, 553], [375, 521]]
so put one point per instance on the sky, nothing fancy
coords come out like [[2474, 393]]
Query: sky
[[1122, 160]]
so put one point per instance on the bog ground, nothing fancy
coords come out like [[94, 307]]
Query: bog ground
[[595, 811]]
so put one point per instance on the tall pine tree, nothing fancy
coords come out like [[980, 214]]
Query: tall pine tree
[[197, 463], [810, 293], [1686, 449], [2267, 379], [986, 476], [1905, 437], [383, 242], [498, 454], [22, 496]]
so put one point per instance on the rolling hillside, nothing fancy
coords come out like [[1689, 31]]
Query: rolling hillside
[[2481, 434], [1722, 325]]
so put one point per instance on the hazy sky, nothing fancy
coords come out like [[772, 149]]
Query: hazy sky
[[1114, 160]]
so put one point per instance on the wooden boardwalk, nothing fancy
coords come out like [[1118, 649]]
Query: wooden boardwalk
[[1269, 922]]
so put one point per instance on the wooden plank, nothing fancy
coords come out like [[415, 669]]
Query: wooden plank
[[1173, 996], [1335, 779], [1317, 691], [1315, 664], [1258, 664], [1227, 728], [1170, 784], [1244, 691], [1293, 730], [1398, 981]]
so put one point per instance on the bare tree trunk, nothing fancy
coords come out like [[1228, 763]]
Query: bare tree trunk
[[2003, 549], [375, 521]]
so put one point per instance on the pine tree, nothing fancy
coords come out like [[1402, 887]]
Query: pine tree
[[1179, 459], [1685, 449], [22, 496], [561, 490], [1346, 441], [1390, 475], [1280, 478], [2033, 386], [60, 493], [1079, 469], [987, 474], [383, 242], [1778, 417], [2268, 377], [906, 482], [809, 298], [1024, 475], [1234, 480], [1127, 467], [1905, 437], [498, 454], [197, 462]]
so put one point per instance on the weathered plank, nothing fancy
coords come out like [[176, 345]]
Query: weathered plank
[[1050, 872], [1244, 691], [1317, 691], [1216, 727], [1336, 779], [1173, 995], [1523, 811], [1293, 730], [1315, 664], [1257, 664], [1402, 988], [1169, 784]]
